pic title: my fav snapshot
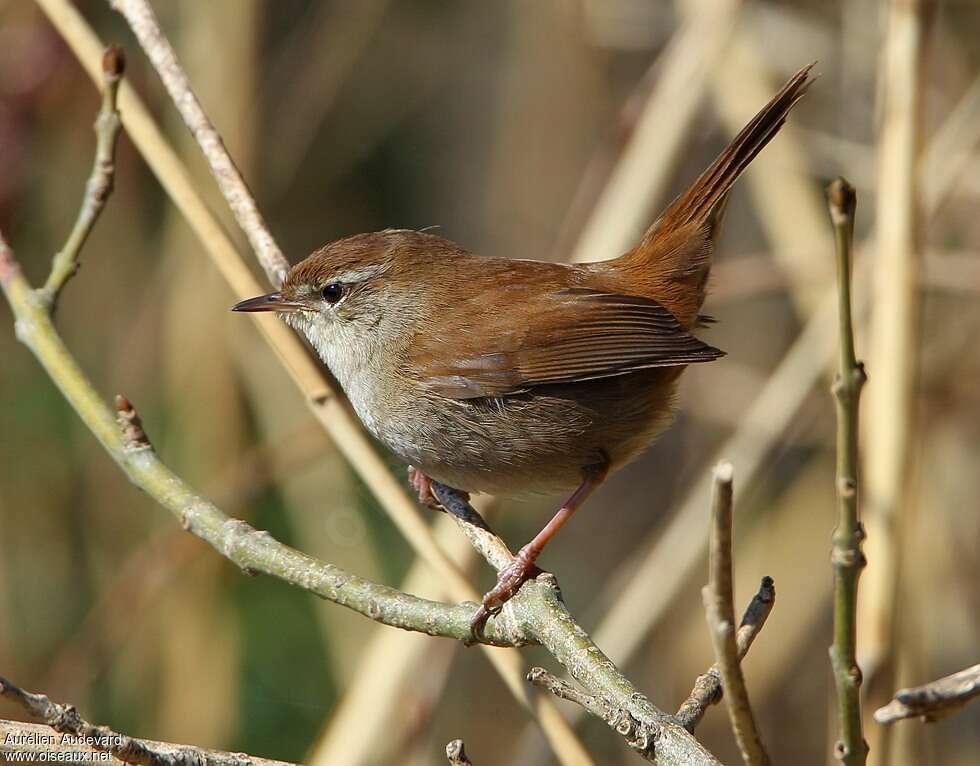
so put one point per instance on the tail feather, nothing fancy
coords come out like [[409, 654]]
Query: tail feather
[[697, 203], [674, 256]]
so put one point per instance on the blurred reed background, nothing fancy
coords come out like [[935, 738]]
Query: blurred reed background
[[501, 123]]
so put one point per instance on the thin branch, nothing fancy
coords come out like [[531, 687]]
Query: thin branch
[[847, 558], [486, 542], [934, 700], [707, 689], [720, 609], [640, 736], [456, 754], [99, 186], [144, 24], [66, 720]]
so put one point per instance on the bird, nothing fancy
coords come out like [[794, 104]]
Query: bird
[[511, 376]]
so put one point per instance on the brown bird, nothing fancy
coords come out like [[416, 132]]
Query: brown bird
[[507, 376]]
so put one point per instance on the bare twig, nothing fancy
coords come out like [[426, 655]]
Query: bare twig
[[640, 736], [100, 182], [720, 609], [707, 689], [144, 24], [847, 558], [935, 700], [456, 754], [66, 720]]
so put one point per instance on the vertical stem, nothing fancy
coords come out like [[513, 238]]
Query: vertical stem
[[847, 558], [893, 344]]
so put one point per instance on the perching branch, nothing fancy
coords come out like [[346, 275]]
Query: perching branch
[[720, 609], [65, 720], [100, 183], [846, 557], [538, 611], [933, 701], [707, 689]]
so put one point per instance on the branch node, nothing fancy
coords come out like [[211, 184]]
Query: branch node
[[131, 426], [456, 754]]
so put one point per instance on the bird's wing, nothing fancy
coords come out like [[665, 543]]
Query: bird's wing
[[565, 336]]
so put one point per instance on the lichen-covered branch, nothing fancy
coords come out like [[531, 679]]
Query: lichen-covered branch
[[640, 736], [846, 555], [934, 700], [65, 720], [720, 609], [707, 689]]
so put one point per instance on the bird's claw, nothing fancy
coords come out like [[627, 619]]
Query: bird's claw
[[509, 581], [422, 485]]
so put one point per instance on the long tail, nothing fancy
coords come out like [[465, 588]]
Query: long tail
[[700, 200], [674, 256]]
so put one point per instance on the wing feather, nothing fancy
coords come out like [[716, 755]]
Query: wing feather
[[575, 334]]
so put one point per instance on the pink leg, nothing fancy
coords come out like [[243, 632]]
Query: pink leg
[[522, 567]]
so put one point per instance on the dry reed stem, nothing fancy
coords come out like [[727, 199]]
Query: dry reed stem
[[893, 351], [789, 207], [640, 179], [364, 718]]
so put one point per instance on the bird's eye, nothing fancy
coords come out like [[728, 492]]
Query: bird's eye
[[333, 292]]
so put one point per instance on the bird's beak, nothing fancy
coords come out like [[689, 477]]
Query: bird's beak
[[269, 302]]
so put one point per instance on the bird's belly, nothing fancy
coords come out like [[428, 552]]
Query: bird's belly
[[535, 442]]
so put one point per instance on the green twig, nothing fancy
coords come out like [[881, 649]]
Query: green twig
[[99, 186], [847, 558]]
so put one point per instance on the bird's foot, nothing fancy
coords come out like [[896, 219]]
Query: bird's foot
[[422, 485], [509, 581]]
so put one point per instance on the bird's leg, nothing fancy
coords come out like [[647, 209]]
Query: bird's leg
[[520, 569]]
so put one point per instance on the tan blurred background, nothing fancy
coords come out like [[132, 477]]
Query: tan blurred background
[[498, 122]]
